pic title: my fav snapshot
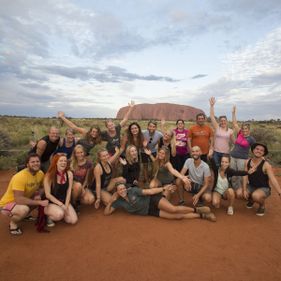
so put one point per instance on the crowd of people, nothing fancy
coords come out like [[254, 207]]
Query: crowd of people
[[140, 171]]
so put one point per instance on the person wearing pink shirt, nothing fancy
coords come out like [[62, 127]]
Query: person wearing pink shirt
[[223, 135]]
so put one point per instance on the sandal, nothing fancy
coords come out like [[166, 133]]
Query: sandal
[[15, 231]]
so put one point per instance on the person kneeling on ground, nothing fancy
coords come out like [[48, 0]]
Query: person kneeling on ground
[[23, 194], [259, 181], [151, 202]]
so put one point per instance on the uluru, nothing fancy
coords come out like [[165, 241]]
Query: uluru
[[158, 111]]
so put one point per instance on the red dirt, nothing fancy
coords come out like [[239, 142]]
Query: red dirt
[[125, 247]]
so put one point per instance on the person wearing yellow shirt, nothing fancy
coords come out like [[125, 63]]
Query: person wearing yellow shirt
[[23, 193]]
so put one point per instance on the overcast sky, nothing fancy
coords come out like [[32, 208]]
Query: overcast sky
[[89, 58]]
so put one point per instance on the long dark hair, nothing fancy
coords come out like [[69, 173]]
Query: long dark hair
[[139, 142], [90, 139]]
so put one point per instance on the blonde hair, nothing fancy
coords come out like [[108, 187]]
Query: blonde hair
[[73, 159], [128, 154], [156, 163]]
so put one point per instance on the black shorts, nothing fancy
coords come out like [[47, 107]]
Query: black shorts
[[153, 205], [146, 158]]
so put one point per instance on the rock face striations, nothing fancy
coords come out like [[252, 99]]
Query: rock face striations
[[168, 111]]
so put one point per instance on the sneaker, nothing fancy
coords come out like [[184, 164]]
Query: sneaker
[[209, 216], [50, 223], [230, 211], [260, 212], [202, 210], [29, 218], [250, 204]]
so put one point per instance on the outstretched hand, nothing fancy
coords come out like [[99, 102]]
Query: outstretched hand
[[60, 114], [122, 161], [147, 151], [131, 104], [212, 101]]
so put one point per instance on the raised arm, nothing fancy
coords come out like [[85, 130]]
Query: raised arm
[[212, 113], [116, 155], [126, 117], [234, 120], [71, 124]]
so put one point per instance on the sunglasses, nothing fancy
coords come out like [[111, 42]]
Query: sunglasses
[[150, 140]]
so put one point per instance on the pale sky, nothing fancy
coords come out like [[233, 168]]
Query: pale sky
[[89, 58]]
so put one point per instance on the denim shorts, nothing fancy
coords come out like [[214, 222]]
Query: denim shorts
[[266, 190]]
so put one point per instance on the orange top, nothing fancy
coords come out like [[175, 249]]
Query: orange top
[[200, 136]]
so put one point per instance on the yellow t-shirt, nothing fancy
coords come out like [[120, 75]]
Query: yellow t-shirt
[[22, 181]]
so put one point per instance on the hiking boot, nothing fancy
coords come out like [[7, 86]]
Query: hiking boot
[[202, 210], [230, 211], [250, 204], [209, 216], [50, 223], [260, 212]]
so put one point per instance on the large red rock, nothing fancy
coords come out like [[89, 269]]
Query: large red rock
[[158, 111]]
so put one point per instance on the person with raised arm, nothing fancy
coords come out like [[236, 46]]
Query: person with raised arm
[[112, 134], [164, 173], [104, 183], [91, 137], [223, 135], [240, 152]]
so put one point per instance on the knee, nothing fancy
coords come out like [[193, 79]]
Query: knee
[[57, 215], [77, 188], [257, 197], [88, 200], [73, 220], [207, 198], [216, 203], [239, 193], [22, 210]]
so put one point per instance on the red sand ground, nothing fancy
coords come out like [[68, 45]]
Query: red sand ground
[[125, 247]]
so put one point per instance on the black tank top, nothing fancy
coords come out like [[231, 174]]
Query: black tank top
[[60, 190], [258, 178], [105, 178], [49, 150]]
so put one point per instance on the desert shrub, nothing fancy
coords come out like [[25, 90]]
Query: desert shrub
[[264, 135], [5, 143]]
